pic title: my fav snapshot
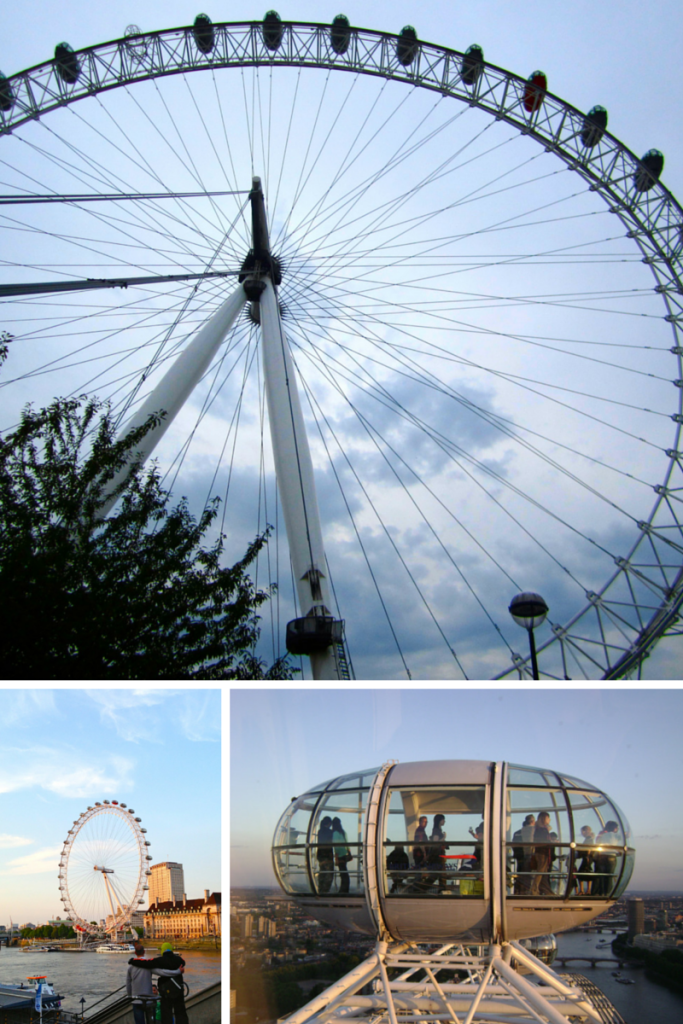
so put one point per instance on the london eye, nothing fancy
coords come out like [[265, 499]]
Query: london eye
[[104, 869], [475, 284]]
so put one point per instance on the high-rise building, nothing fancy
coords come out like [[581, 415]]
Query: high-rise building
[[166, 883], [635, 909], [247, 926]]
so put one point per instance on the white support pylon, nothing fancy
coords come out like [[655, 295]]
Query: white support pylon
[[494, 993], [294, 472], [176, 386]]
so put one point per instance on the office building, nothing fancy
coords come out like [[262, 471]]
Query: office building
[[166, 883], [635, 909]]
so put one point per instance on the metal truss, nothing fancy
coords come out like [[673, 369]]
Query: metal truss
[[472, 985], [619, 626]]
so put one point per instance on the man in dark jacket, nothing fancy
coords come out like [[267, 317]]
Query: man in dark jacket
[[169, 968]]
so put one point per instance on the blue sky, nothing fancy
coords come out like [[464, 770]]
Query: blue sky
[[158, 751], [625, 742], [592, 53]]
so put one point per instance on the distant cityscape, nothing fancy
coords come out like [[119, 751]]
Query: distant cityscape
[[269, 932], [170, 914]]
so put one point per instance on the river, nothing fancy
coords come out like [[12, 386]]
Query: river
[[95, 975], [642, 1003]]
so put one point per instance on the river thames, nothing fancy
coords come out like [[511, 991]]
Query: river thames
[[645, 1002], [94, 975]]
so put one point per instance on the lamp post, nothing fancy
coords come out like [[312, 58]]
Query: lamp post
[[529, 610]]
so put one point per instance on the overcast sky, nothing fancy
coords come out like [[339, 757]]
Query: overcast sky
[[156, 750], [623, 742], [434, 603]]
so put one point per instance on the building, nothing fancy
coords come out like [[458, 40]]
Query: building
[[247, 926], [183, 918], [167, 882], [635, 909]]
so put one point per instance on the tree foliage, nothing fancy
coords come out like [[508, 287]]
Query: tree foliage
[[134, 596]]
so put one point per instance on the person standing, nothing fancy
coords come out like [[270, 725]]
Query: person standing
[[169, 967], [139, 986], [325, 854], [342, 853], [543, 856]]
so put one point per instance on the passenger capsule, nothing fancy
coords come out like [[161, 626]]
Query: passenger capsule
[[202, 30], [454, 851], [407, 46], [534, 91], [340, 34], [651, 167], [6, 94], [272, 30], [313, 634], [67, 63], [472, 64], [594, 124]]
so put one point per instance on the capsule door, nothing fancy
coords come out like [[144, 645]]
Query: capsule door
[[433, 861]]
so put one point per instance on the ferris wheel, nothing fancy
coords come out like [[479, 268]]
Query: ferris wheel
[[475, 284], [104, 868]]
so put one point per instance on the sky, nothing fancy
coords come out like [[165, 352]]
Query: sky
[[157, 750], [427, 593], [625, 742]]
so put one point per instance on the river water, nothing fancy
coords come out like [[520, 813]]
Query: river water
[[642, 1003], [95, 975]]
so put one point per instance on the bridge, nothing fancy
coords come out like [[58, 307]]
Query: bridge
[[592, 960]]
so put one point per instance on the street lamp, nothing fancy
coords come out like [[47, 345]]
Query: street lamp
[[529, 610]]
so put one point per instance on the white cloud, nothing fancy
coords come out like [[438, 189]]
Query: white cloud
[[65, 772], [9, 842], [38, 863]]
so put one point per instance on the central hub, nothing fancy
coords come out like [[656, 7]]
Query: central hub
[[259, 260]]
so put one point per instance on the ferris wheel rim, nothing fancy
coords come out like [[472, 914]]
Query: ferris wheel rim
[[653, 216], [128, 817]]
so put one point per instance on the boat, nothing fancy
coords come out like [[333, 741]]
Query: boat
[[626, 981], [115, 947], [42, 949], [19, 996]]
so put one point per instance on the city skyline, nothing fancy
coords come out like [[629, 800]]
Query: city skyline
[[156, 750], [622, 741]]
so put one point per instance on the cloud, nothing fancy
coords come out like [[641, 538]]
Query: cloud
[[21, 708], [41, 862], [146, 715], [9, 842], [65, 772]]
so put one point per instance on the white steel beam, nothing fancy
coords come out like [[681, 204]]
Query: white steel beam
[[294, 472], [176, 386]]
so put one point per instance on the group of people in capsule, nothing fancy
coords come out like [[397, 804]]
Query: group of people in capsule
[[534, 867]]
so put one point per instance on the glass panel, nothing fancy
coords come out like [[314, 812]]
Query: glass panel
[[591, 811], [538, 833], [626, 877], [336, 843], [358, 780], [608, 864], [518, 776], [434, 842], [571, 781], [293, 826], [291, 866]]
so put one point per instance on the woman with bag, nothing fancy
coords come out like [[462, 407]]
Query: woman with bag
[[342, 854]]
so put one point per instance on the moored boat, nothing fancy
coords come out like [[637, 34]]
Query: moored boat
[[18, 996], [116, 947]]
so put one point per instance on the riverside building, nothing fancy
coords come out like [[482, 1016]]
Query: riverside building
[[183, 918]]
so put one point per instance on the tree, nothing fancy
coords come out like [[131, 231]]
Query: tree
[[132, 596]]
